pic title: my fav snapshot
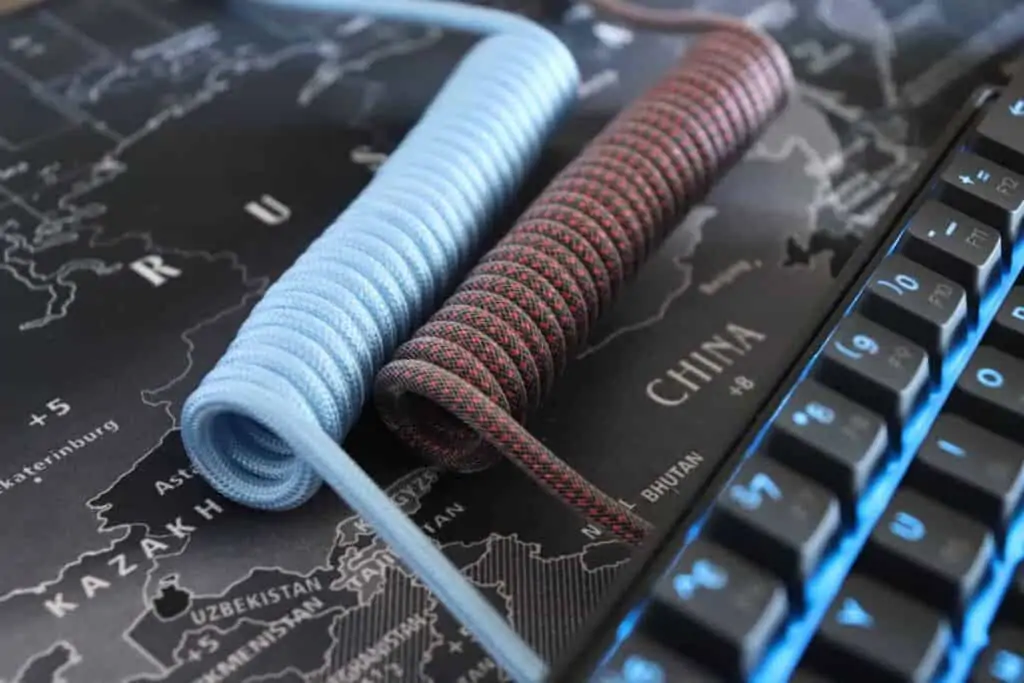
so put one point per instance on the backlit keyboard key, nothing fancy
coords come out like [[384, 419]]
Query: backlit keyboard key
[[917, 303], [990, 392], [908, 418], [875, 367], [974, 470], [644, 660], [986, 191], [1000, 133], [1007, 330], [955, 245], [830, 438], [778, 519], [872, 633], [718, 607], [1003, 660], [929, 552]]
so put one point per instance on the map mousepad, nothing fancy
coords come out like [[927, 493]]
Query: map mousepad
[[162, 161]]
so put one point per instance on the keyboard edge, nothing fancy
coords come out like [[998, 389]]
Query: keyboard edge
[[593, 643]]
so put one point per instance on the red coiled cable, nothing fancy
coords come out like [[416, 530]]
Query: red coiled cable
[[459, 390]]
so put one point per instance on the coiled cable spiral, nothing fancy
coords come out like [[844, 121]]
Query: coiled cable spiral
[[263, 427], [460, 389]]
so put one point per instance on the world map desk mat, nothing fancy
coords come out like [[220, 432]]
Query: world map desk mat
[[163, 161]]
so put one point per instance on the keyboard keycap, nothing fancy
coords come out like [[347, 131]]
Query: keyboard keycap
[[1002, 661], [717, 606], [829, 438], [990, 392], [1000, 133], [954, 244], [642, 660], [872, 633], [778, 519], [980, 473], [875, 367], [1007, 330], [929, 551], [921, 305], [986, 191]]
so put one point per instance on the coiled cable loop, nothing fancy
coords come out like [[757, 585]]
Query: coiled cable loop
[[263, 426], [459, 390]]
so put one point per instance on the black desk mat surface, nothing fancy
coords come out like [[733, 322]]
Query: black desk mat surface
[[161, 162]]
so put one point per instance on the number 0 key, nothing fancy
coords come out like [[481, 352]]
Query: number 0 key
[[919, 304]]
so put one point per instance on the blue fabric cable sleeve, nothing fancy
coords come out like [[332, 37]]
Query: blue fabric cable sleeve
[[264, 426]]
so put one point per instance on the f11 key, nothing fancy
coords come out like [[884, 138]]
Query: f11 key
[[955, 245]]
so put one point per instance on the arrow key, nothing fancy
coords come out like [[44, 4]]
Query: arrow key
[[872, 633]]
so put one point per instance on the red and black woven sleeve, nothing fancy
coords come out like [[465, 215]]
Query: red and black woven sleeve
[[460, 389]]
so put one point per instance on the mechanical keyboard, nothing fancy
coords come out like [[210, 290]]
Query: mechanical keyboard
[[868, 526]]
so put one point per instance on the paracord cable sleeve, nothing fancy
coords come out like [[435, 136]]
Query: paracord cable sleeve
[[460, 389], [264, 426]]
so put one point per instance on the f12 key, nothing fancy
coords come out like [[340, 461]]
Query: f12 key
[[1000, 133]]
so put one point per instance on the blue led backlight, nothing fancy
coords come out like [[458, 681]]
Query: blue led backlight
[[788, 649], [786, 652], [640, 670], [1007, 667], [853, 615]]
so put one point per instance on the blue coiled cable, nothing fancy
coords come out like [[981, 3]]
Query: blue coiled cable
[[264, 426]]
